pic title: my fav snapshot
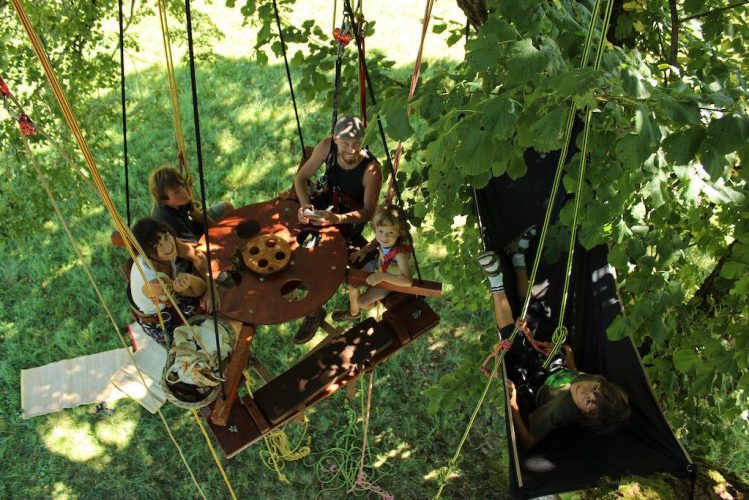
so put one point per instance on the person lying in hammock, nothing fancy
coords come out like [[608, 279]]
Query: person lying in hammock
[[178, 266], [391, 265], [553, 397]]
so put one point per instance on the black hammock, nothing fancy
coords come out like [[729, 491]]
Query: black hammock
[[572, 459]]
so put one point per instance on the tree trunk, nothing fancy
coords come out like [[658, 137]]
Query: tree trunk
[[475, 11]]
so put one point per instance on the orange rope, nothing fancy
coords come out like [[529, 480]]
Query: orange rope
[[131, 243]]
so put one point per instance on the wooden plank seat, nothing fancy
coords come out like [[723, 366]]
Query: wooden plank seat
[[357, 277], [317, 376], [351, 352]]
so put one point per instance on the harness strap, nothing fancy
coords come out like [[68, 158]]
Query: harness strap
[[386, 259]]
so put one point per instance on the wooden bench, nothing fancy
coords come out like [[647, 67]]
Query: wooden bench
[[328, 368]]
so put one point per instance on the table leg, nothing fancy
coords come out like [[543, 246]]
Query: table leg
[[237, 363]]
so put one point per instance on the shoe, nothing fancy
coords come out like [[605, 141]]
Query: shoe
[[309, 327], [343, 315], [489, 262], [522, 243]]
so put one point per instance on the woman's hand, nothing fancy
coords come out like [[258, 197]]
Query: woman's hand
[[356, 256], [522, 327], [206, 303], [181, 283], [303, 219]]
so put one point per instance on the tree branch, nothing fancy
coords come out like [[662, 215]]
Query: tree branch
[[720, 9], [709, 287], [674, 35]]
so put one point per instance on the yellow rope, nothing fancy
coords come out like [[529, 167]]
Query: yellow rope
[[277, 444], [173, 90], [131, 243], [89, 275], [215, 455]]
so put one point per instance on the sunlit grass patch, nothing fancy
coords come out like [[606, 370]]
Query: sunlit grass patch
[[75, 441]]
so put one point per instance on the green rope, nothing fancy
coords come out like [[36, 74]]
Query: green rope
[[338, 467], [444, 474], [560, 334]]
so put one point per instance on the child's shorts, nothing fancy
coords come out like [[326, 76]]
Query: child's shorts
[[370, 267]]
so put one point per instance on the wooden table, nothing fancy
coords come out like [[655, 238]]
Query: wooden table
[[313, 274]]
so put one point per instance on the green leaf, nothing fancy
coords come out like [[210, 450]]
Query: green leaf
[[654, 193], [621, 231], [686, 360], [517, 167], [573, 82], [727, 134], [632, 151], [632, 83], [499, 117], [524, 62], [619, 329], [396, 117], [644, 126], [733, 270], [681, 147], [548, 131], [639, 211], [261, 57], [703, 382], [587, 100], [473, 155], [682, 113]]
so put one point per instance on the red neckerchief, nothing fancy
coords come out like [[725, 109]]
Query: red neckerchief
[[386, 259]]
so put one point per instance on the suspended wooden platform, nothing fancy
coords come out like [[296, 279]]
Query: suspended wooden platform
[[339, 361]]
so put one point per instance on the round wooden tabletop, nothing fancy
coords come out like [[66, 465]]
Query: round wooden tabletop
[[311, 276]]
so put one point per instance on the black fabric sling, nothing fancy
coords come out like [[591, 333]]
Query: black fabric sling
[[574, 459]]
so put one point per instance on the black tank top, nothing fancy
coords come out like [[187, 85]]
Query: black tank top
[[347, 181]]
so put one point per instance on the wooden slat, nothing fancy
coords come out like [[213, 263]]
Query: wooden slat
[[257, 416], [239, 433], [413, 316], [305, 381], [358, 277], [239, 356]]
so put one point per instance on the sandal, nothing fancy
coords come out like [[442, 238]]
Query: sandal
[[522, 243], [489, 262]]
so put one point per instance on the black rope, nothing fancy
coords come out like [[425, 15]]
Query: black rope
[[337, 82], [349, 10], [124, 114], [196, 118], [288, 77]]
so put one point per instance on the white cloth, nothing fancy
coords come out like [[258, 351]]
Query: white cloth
[[140, 299]]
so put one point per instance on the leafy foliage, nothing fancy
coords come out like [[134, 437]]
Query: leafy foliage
[[665, 186]]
